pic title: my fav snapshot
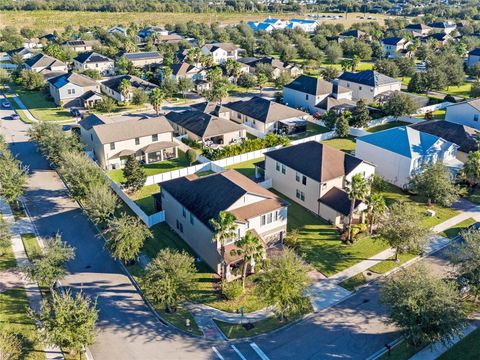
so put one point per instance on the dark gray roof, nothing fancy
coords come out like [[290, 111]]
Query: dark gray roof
[[202, 124], [354, 33], [475, 52], [72, 78], [135, 82], [91, 57], [368, 77], [143, 55], [417, 27], [208, 107], [314, 86], [207, 196], [463, 136], [264, 110], [338, 200], [392, 40], [315, 160]]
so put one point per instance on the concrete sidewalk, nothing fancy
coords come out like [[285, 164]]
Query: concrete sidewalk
[[25, 110], [31, 288]]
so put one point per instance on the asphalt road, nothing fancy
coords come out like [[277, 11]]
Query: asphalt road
[[353, 329]]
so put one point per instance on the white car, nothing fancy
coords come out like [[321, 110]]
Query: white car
[[6, 105]]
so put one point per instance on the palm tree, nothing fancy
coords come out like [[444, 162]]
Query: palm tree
[[376, 206], [251, 248], [357, 189], [236, 70], [224, 229], [156, 99], [471, 168], [124, 88]]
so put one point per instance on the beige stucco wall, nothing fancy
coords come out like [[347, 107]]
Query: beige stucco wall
[[360, 91]]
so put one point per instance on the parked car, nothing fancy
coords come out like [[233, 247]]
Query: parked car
[[6, 105], [15, 116]]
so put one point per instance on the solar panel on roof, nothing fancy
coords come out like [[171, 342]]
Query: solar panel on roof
[[76, 42], [142, 55]]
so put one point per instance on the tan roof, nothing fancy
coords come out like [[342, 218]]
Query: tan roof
[[131, 128], [157, 146], [253, 210], [73, 78], [224, 46], [44, 60]]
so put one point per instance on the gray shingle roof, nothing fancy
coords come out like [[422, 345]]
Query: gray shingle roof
[[338, 200], [135, 82], [73, 78], [43, 60], [264, 110], [313, 86], [91, 57], [315, 160], [202, 124], [368, 77]]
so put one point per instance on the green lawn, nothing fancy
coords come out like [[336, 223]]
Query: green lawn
[[345, 144], [14, 317], [144, 198], [7, 259], [237, 331], [246, 168], [319, 242], [312, 129], [402, 351], [474, 195], [466, 349], [32, 248], [354, 282], [39, 104], [389, 264], [386, 126], [155, 168], [394, 193], [437, 115], [462, 90], [179, 318], [455, 230]]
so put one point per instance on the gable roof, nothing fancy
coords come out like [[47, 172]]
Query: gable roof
[[114, 129], [21, 51], [314, 86], [224, 46], [135, 82], [442, 25], [208, 107], [368, 77], [81, 43], [182, 69], [354, 33], [202, 124], [207, 196], [264, 110], [417, 27], [91, 57], [404, 140], [475, 103], [392, 40], [43, 60], [72, 78], [315, 160], [462, 135]]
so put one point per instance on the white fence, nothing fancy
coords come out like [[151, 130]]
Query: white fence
[[149, 220], [254, 132], [439, 106], [158, 178]]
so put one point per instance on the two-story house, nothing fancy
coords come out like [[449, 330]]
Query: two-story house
[[46, 65], [151, 31], [74, 89], [143, 59], [446, 26], [354, 34], [398, 153], [220, 52], [315, 176], [395, 47], [465, 113], [206, 128], [368, 84], [191, 202], [418, 30], [267, 116], [306, 25], [112, 88], [185, 70], [80, 46], [316, 95], [113, 139], [118, 30], [94, 61]]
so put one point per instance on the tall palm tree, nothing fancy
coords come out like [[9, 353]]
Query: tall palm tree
[[156, 99], [124, 88], [471, 168], [224, 229], [376, 207], [250, 248], [357, 189]]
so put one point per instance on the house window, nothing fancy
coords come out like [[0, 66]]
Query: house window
[[91, 137], [71, 91], [155, 137], [359, 88], [284, 169], [348, 84], [112, 146], [184, 212], [239, 116], [96, 65], [306, 97], [297, 177], [191, 218], [262, 220], [304, 180], [300, 195], [137, 141], [179, 226], [269, 218], [277, 166], [475, 117]]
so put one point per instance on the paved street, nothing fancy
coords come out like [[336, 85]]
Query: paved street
[[353, 329]]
